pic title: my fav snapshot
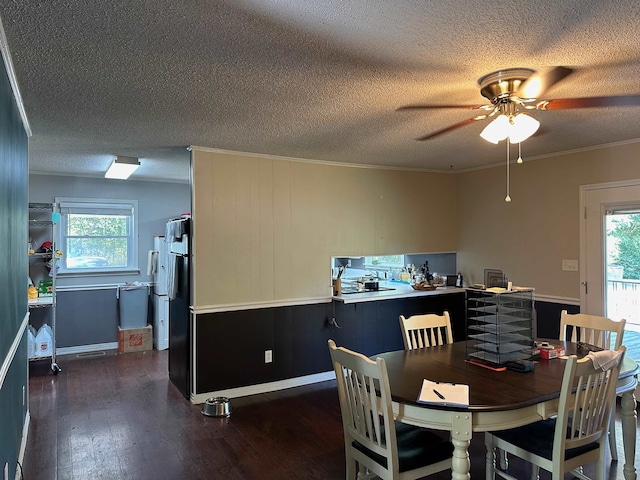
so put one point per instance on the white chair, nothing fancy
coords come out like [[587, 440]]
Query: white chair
[[374, 443], [591, 329], [420, 331], [577, 436], [598, 331]]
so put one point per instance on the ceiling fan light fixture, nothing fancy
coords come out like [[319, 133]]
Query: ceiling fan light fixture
[[497, 130], [122, 167], [521, 127]]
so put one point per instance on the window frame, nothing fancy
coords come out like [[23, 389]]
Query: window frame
[[103, 207]]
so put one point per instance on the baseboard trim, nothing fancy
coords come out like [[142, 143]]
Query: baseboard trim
[[23, 446], [87, 348], [264, 387]]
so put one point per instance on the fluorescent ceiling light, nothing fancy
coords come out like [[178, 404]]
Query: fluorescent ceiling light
[[122, 167]]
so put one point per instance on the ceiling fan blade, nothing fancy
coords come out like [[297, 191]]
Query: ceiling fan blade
[[452, 127], [541, 81], [427, 106], [589, 102]]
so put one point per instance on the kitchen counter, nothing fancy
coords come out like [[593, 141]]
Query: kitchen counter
[[402, 290]]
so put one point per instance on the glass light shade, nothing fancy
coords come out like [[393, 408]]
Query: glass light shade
[[122, 167], [497, 130], [521, 127]]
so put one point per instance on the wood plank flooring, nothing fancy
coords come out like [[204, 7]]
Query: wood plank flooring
[[118, 417]]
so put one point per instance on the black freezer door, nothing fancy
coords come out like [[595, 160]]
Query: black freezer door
[[180, 330]]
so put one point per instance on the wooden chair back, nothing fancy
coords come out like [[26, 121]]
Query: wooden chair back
[[591, 329], [586, 399], [421, 331], [365, 402]]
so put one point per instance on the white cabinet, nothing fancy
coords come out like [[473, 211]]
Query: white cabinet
[[43, 258], [161, 322]]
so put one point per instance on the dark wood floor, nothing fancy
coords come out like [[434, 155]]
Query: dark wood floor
[[118, 417]]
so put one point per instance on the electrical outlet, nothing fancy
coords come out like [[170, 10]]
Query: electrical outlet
[[268, 356], [570, 265]]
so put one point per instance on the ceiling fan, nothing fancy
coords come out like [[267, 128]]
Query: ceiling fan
[[513, 91]]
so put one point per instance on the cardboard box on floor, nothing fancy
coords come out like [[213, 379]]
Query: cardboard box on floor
[[135, 339]]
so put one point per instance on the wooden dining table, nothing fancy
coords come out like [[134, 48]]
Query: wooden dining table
[[498, 400]]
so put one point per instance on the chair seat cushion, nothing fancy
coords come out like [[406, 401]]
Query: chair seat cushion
[[417, 447], [537, 438]]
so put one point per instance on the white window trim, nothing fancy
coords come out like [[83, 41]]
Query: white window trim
[[103, 203]]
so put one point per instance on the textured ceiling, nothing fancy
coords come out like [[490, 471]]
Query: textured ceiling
[[306, 79]]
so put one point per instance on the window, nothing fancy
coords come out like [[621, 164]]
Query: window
[[395, 261], [98, 236]]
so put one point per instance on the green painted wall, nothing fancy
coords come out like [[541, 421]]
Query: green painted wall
[[13, 276]]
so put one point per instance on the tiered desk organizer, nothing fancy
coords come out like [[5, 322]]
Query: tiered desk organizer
[[499, 326]]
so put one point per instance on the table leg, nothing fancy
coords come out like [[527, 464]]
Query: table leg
[[461, 438], [629, 426], [460, 463]]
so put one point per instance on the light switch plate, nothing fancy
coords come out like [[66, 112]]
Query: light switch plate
[[570, 265], [268, 356]]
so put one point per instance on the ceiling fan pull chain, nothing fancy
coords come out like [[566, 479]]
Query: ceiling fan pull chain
[[507, 198], [519, 153]]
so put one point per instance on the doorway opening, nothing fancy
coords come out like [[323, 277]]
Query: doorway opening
[[622, 273]]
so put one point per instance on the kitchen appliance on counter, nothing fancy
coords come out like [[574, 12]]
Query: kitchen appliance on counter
[[179, 292], [450, 280], [362, 285], [349, 290]]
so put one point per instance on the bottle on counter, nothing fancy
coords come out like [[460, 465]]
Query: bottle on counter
[[459, 280], [427, 274]]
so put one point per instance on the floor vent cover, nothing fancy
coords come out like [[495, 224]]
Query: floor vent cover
[[90, 354]]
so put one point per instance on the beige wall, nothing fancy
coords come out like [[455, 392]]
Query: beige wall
[[265, 229], [529, 237]]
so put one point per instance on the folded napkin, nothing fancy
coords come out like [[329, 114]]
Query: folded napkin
[[604, 359]]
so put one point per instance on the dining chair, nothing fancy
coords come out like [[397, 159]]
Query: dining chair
[[374, 443], [429, 330], [598, 331], [576, 436], [591, 329]]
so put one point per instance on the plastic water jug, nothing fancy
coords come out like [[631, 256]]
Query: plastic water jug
[[31, 341], [44, 341]]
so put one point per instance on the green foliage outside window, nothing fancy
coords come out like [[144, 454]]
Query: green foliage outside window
[[386, 260], [626, 231], [101, 238]]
